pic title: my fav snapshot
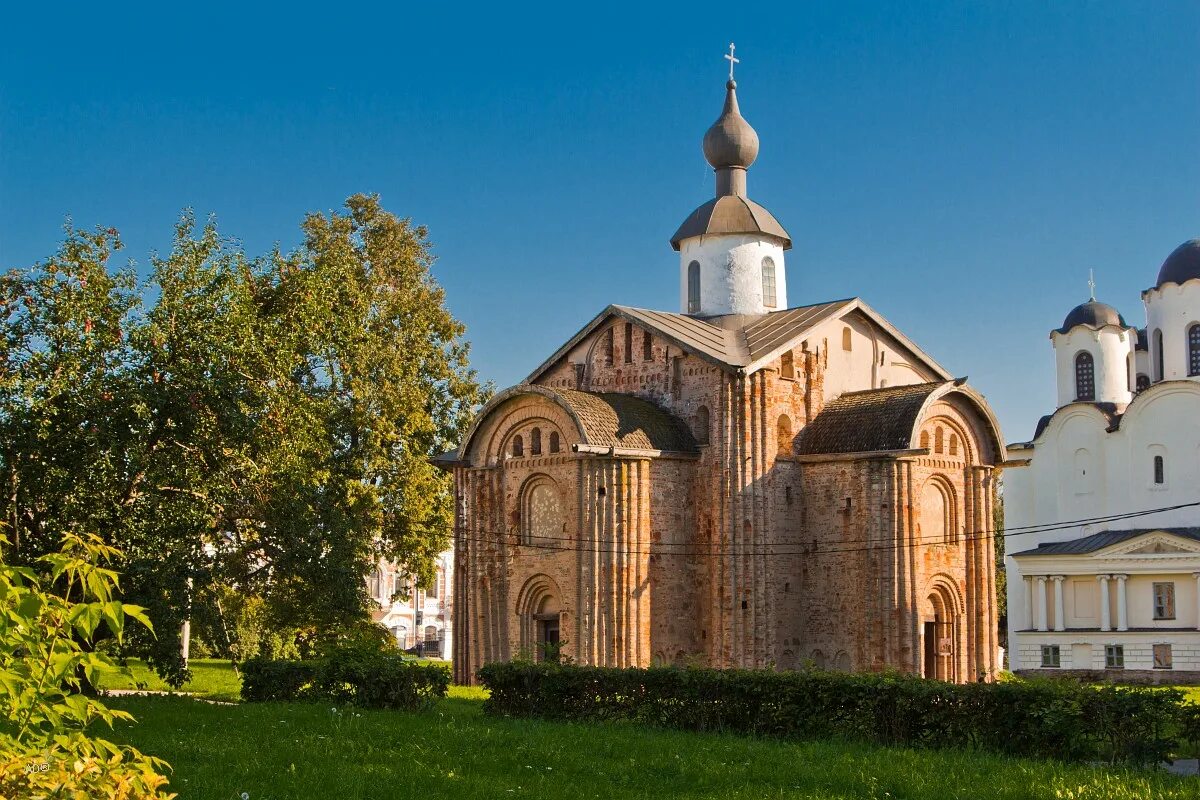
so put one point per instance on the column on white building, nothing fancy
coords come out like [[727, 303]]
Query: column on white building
[[1039, 602], [1196, 575], [1122, 607], [1059, 613], [1105, 614]]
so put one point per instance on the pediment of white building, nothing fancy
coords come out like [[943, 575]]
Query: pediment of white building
[[1154, 544]]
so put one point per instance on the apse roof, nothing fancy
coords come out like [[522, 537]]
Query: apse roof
[[868, 421], [622, 420]]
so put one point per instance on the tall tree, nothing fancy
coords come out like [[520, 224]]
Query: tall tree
[[264, 423]]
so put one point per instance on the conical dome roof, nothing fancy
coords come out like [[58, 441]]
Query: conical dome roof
[[1182, 265], [1094, 315], [730, 142]]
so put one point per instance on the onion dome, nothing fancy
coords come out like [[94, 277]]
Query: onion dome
[[730, 142], [1092, 314], [1182, 265]]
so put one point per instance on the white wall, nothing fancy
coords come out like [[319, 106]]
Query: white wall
[[731, 273], [1172, 309], [1110, 348]]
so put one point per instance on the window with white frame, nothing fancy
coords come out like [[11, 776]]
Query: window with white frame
[[1162, 656], [1164, 600], [1051, 655], [1114, 656]]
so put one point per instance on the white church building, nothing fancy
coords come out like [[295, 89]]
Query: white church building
[[1102, 507]]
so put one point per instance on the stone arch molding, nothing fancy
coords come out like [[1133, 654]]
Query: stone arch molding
[[954, 393]]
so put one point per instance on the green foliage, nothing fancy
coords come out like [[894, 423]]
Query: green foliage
[[45, 746], [302, 751], [357, 676], [258, 424], [1001, 573], [1061, 719]]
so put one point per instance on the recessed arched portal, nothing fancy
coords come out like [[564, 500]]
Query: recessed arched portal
[[539, 609], [941, 623]]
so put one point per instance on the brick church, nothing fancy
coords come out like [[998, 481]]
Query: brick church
[[737, 484]]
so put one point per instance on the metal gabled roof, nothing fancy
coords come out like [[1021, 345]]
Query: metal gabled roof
[[741, 342]]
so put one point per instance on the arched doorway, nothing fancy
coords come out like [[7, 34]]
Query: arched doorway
[[939, 635], [540, 613]]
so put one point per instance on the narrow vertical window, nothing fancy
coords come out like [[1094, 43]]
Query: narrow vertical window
[[554, 445], [1194, 349], [702, 425], [518, 447], [1085, 377], [647, 346], [579, 374], [847, 339], [953, 444], [535, 442], [787, 366], [676, 376], [1114, 656], [693, 286], [1051, 656], [1160, 471], [783, 434], [937, 440], [1159, 372], [628, 343], [1162, 656], [1164, 600], [609, 344], [768, 282]]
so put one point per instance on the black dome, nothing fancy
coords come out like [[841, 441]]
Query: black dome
[[1093, 315], [1182, 265]]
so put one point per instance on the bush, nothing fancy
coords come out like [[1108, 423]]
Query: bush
[[1056, 718], [51, 614], [360, 677]]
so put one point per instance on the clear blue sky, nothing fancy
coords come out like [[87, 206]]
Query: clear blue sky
[[960, 166]]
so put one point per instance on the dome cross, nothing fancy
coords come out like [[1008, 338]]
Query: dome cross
[[730, 58], [1092, 284]]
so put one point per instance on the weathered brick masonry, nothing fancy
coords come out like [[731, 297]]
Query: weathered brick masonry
[[731, 492]]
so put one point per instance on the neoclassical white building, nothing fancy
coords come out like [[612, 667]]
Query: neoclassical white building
[[1103, 505], [425, 620]]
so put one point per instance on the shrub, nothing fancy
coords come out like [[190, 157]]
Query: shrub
[[357, 676], [1060, 719], [46, 746]]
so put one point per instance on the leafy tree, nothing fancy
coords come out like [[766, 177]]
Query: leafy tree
[[261, 423]]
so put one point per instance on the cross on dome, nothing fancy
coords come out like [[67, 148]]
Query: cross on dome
[[729, 57], [1092, 284]]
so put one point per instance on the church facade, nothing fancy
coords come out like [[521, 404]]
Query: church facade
[[737, 484], [1103, 506]]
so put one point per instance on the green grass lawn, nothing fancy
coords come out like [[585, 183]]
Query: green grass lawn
[[292, 751], [212, 678]]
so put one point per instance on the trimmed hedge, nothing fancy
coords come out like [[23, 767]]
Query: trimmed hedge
[[368, 680], [1043, 718]]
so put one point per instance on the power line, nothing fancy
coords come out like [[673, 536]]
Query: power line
[[927, 541]]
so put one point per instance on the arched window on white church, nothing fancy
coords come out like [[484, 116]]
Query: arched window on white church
[[1194, 349], [1156, 344], [693, 287], [768, 282], [1085, 376]]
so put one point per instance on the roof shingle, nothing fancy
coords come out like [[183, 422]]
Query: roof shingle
[[622, 420], [867, 421]]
